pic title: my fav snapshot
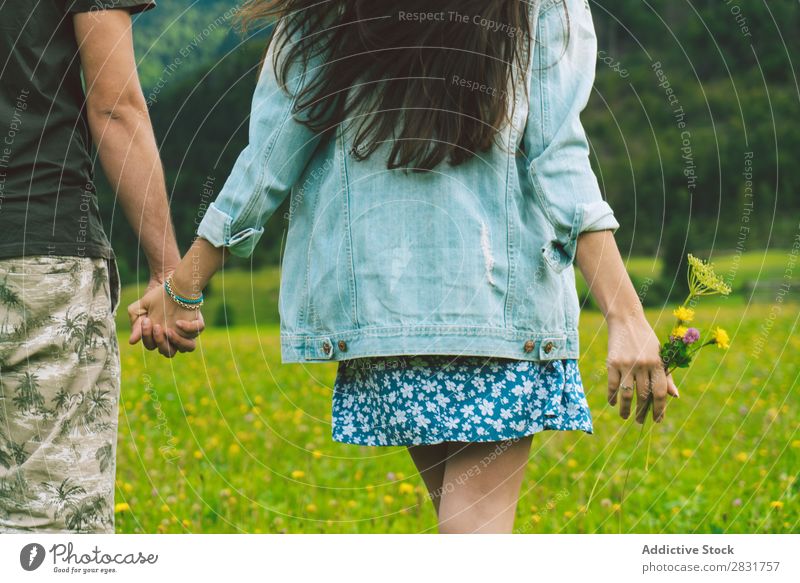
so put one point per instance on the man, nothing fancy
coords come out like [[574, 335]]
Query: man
[[59, 288]]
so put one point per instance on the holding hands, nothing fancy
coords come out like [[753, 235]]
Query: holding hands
[[164, 319], [167, 317]]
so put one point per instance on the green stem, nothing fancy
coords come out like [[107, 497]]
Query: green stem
[[600, 473], [627, 473], [691, 354]]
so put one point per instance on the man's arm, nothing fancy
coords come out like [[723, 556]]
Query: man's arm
[[121, 128]]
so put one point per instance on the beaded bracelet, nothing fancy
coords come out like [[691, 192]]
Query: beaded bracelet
[[186, 303]]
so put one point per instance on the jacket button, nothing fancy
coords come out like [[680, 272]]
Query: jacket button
[[326, 347], [548, 347], [528, 346], [342, 345]]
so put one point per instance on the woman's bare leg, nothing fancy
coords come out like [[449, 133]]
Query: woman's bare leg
[[430, 460], [481, 485]]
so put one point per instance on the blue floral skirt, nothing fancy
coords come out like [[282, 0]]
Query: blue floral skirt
[[413, 400]]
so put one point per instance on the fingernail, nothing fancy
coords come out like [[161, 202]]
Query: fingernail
[[146, 322]]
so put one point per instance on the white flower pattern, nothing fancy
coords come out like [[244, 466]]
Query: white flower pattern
[[414, 400]]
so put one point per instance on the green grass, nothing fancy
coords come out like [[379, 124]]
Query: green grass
[[229, 440], [244, 298]]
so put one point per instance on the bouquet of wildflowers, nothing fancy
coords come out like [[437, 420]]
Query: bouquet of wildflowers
[[684, 341], [682, 344]]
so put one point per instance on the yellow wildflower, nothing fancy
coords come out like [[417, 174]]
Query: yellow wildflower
[[777, 504], [186, 523], [687, 452], [388, 499], [311, 508], [679, 331], [741, 457], [317, 454], [234, 449], [406, 488], [572, 464], [198, 455], [297, 474], [121, 507], [683, 314], [720, 338]]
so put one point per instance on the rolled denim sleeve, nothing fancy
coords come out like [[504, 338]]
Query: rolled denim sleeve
[[562, 75], [278, 150]]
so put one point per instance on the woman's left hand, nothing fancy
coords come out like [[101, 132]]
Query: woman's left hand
[[159, 322]]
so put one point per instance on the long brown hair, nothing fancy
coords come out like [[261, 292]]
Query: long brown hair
[[434, 79]]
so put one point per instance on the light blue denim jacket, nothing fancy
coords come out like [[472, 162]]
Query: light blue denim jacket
[[474, 259]]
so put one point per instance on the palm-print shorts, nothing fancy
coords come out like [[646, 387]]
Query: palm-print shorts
[[59, 393]]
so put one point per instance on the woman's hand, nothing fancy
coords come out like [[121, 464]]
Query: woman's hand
[[634, 366], [159, 322]]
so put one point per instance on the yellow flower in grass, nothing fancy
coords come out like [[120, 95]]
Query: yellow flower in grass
[[121, 507], [683, 314], [776, 504], [406, 488], [720, 338], [297, 474]]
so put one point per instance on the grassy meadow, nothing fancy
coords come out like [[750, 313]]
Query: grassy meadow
[[229, 440]]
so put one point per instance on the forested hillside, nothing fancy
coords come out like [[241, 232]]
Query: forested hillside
[[693, 123]]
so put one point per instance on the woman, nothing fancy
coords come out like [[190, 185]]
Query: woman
[[440, 193]]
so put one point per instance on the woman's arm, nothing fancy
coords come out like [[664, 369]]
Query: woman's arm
[[633, 348], [278, 150]]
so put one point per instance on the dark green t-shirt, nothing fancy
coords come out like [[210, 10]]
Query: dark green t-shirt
[[48, 204]]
